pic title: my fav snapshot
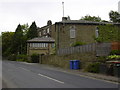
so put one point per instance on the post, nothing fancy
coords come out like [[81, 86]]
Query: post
[[63, 8]]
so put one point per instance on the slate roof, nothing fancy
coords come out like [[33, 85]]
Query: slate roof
[[84, 22], [42, 39]]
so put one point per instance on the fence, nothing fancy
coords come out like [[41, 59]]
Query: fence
[[101, 49]]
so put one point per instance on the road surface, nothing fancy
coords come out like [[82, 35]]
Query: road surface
[[26, 75]]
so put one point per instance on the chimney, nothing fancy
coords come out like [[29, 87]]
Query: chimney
[[64, 18]]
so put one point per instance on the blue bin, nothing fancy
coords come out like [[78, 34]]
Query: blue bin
[[71, 64], [76, 64]]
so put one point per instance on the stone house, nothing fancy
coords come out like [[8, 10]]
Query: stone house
[[67, 32], [43, 45]]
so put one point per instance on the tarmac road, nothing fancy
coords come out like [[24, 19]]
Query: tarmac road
[[26, 75]]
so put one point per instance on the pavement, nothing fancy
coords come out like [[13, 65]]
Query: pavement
[[84, 74]]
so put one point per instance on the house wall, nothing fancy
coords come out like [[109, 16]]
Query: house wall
[[84, 33], [38, 51]]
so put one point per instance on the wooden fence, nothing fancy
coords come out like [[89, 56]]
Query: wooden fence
[[101, 49]]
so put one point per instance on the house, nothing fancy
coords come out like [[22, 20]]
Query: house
[[43, 45], [45, 31], [66, 33]]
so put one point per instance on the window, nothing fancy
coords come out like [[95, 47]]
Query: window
[[46, 44], [40, 34], [35, 45], [48, 30], [72, 32], [30, 44], [53, 45], [43, 44], [97, 32], [44, 31]]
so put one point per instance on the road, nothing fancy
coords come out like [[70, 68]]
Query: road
[[27, 75]]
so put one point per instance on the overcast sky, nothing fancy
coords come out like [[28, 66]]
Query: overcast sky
[[14, 12]]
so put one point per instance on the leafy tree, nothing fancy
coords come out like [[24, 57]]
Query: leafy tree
[[91, 18], [25, 28], [114, 16], [32, 32], [6, 42]]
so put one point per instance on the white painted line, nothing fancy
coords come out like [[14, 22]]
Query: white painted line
[[105, 80], [24, 69], [51, 78]]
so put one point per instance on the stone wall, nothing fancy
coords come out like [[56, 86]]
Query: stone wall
[[63, 61]]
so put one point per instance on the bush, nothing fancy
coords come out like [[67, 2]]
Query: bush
[[78, 44], [93, 67], [101, 59], [35, 58], [115, 52], [113, 57], [22, 57], [12, 57]]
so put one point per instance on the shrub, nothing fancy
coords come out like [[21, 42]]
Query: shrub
[[100, 39], [12, 57], [93, 67], [35, 58], [101, 59], [78, 44], [115, 52], [22, 57], [113, 57]]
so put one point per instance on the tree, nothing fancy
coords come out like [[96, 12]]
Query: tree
[[114, 16], [91, 18], [25, 28], [6, 42], [17, 40], [32, 32]]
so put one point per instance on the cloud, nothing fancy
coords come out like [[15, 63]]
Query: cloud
[[13, 12]]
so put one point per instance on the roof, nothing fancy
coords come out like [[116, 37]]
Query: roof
[[41, 39], [84, 22]]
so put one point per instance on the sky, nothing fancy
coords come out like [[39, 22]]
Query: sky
[[14, 12]]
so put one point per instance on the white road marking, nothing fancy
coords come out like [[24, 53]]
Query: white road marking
[[51, 78], [24, 69], [105, 80]]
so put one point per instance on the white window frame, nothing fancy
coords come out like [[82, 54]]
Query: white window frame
[[44, 31], [97, 32], [72, 32], [40, 34], [48, 30]]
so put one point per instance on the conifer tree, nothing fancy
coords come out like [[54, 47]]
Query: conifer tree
[[17, 40], [32, 32]]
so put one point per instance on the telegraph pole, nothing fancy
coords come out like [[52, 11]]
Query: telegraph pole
[[63, 8]]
